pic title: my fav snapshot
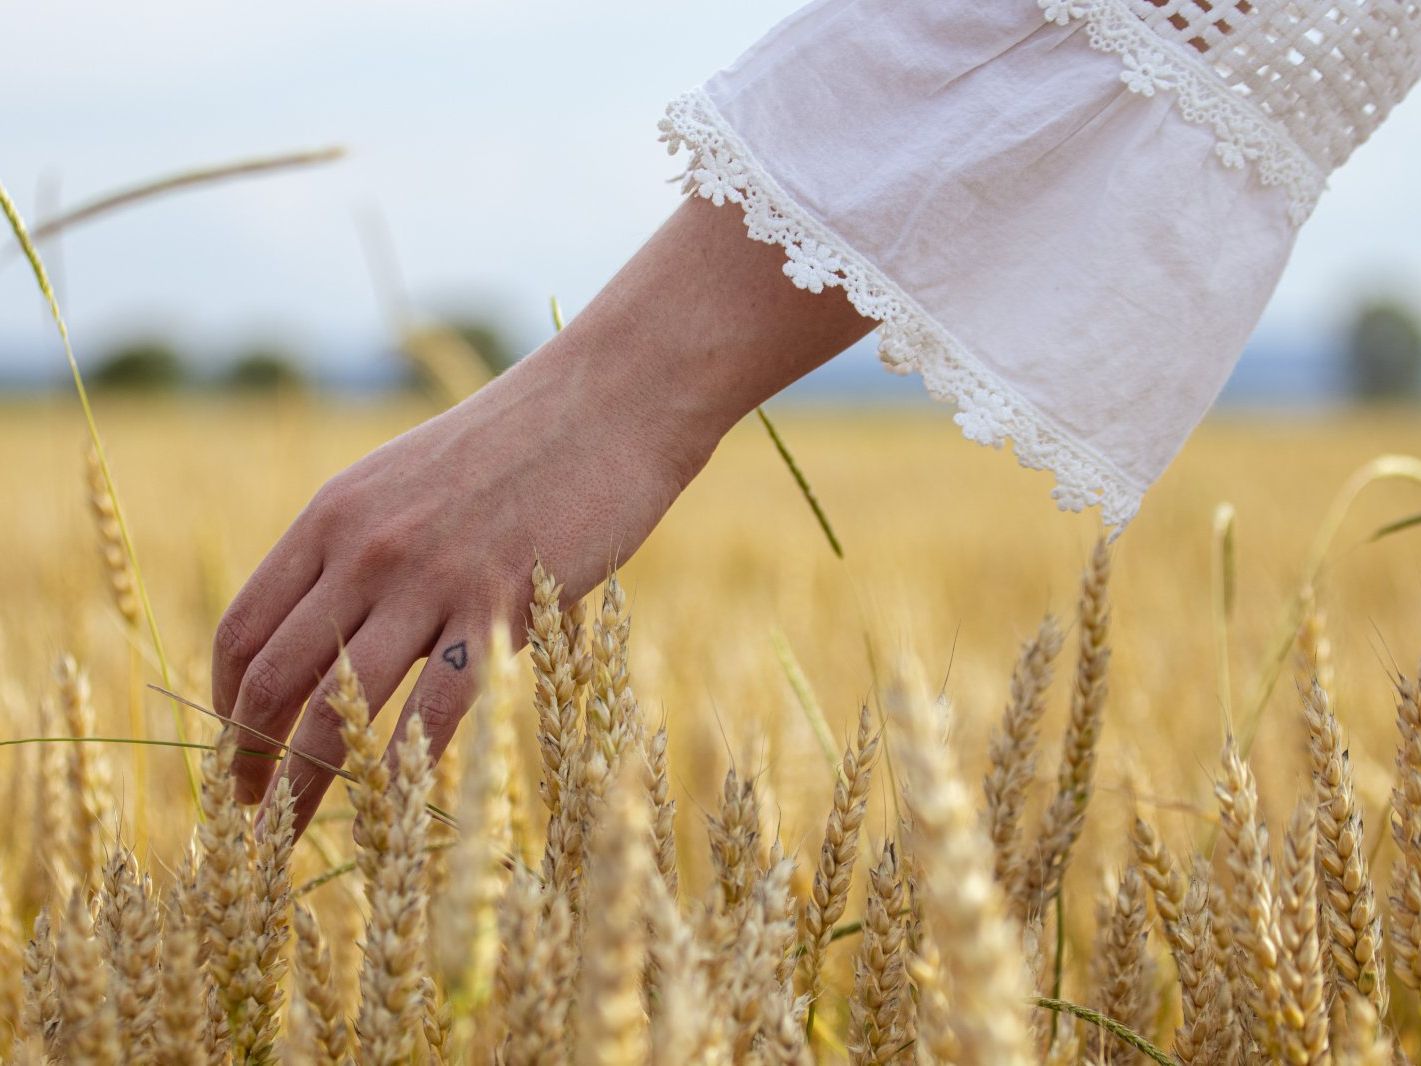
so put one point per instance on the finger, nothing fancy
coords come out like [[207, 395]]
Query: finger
[[282, 580], [445, 689], [381, 654], [283, 674]]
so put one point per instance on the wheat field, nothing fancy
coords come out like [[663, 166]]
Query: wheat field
[[766, 918]]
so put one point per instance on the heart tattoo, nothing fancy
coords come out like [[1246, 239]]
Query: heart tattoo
[[456, 655]]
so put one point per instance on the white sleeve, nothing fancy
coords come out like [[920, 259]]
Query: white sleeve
[[1064, 222]]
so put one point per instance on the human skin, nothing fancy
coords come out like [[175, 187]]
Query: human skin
[[572, 456]]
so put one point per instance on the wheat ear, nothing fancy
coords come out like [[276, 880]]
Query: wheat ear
[[880, 974], [1123, 977], [1304, 1010], [1253, 913], [734, 840], [1013, 760], [40, 1014], [1406, 831], [270, 918], [830, 894], [964, 914], [535, 972], [225, 885], [128, 928], [656, 775], [611, 1023], [1064, 818], [181, 1017], [1352, 921], [85, 776], [328, 1033], [88, 1028]]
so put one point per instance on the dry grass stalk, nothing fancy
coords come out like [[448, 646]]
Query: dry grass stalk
[[85, 777], [535, 974], [181, 1019], [1123, 972], [1406, 831], [88, 1027], [1351, 917], [1253, 911], [610, 1026], [1304, 1010], [328, 1042], [880, 971], [1013, 760], [830, 894], [1061, 825], [979, 967], [40, 1013], [128, 929]]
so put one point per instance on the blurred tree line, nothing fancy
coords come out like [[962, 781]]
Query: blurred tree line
[[1384, 352], [155, 366]]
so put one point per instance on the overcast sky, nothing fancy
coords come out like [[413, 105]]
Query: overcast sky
[[510, 144]]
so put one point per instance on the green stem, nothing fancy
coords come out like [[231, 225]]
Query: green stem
[[1110, 1025], [801, 481]]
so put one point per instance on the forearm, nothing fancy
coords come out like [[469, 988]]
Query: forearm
[[699, 327]]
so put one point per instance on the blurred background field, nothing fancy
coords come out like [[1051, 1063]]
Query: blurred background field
[[951, 554]]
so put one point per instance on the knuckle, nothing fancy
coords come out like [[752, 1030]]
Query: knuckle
[[320, 717], [235, 638], [264, 689], [439, 710]]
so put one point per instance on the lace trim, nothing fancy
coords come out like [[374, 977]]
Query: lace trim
[[1245, 134], [722, 170]]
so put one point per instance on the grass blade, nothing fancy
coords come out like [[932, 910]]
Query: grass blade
[[801, 481], [17, 224]]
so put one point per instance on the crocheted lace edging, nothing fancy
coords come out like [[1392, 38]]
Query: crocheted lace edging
[[1244, 133], [723, 170]]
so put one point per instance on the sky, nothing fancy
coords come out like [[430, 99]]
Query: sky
[[510, 146]]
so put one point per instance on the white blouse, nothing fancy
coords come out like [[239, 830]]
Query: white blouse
[[1066, 215]]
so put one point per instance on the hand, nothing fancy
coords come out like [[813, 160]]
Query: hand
[[572, 455], [414, 550]]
